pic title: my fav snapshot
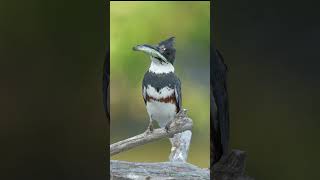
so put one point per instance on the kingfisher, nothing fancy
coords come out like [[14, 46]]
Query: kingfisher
[[161, 90]]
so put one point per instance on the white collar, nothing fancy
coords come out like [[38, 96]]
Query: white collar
[[158, 68]]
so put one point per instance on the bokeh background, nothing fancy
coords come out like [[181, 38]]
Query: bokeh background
[[272, 50], [133, 23], [52, 121]]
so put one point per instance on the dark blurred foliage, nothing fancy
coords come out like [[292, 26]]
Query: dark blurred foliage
[[52, 121], [272, 50]]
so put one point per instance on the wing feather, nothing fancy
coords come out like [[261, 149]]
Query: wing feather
[[144, 94], [177, 90]]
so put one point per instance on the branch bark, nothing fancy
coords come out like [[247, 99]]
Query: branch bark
[[180, 124], [162, 170], [231, 167]]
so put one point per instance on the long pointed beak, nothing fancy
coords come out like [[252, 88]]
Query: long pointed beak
[[150, 50]]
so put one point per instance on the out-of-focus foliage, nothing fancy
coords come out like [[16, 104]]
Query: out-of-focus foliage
[[273, 57], [134, 23], [53, 125]]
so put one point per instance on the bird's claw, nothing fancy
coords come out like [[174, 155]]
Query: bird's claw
[[149, 129], [182, 113], [167, 127]]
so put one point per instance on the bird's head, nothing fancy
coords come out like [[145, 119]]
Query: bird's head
[[164, 52]]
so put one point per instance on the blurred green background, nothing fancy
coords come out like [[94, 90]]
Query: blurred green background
[[133, 23]]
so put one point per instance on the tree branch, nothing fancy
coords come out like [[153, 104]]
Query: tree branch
[[160, 170], [231, 167], [179, 124]]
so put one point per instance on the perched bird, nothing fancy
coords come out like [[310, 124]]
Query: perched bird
[[219, 108], [161, 89]]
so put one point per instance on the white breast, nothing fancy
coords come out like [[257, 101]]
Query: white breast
[[163, 93], [160, 111]]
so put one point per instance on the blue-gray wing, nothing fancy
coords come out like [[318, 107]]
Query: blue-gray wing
[[144, 94], [177, 90]]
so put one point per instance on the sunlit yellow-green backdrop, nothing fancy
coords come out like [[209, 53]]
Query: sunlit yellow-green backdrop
[[134, 23]]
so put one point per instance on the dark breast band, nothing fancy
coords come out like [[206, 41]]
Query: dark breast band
[[170, 99]]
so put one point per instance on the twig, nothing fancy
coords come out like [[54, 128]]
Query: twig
[[180, 124]]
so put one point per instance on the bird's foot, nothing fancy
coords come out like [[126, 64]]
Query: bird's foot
[[149, 129], [182, 113], [167, 127]]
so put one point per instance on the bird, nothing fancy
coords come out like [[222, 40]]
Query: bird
[[219, 108], [161, 88]]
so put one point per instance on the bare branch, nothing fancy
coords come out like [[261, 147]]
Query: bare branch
[[230, 167], [180, 124], [160, 170]]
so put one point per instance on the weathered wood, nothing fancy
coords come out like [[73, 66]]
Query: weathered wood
[[231, 167], [180, 124], [160, 170]]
